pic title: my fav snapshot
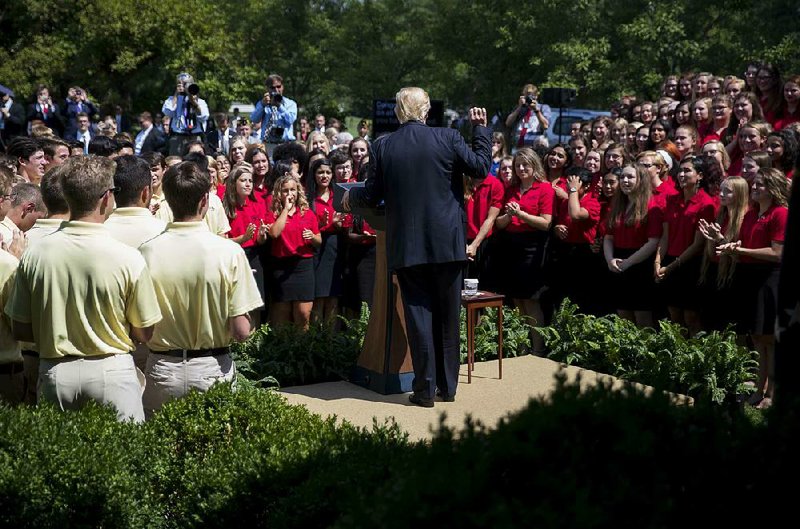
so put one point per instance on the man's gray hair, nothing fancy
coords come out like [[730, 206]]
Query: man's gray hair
[[413, 104]]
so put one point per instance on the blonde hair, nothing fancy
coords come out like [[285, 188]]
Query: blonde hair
[[413, 104], [317, 134], [734, 215], [277, 204], [530, 157]]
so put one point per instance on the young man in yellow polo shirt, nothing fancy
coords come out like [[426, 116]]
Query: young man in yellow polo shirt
[[205, 299], [132, 223], [12, 381], [83, 298], [57, 214]]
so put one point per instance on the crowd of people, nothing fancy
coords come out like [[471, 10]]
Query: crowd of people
[[673, 207]]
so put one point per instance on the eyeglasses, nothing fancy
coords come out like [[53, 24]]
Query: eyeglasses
[[115, 189]]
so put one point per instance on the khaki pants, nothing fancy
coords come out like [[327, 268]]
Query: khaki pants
[[73, 381], [169, 377]]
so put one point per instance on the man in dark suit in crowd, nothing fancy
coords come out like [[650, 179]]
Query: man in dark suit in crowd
[[418, 171], [219, 139], [150, 138]]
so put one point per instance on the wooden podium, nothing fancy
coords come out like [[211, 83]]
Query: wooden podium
[[384, 365]]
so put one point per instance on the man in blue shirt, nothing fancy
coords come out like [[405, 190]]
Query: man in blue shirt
[[276, 113], [188, 114]]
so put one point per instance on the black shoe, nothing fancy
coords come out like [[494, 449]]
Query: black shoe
[[445, 398], [415, 398]]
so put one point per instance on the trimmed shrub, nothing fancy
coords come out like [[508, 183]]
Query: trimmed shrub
[[709, 366]]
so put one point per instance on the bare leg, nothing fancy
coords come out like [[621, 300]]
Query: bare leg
[[301, 313], [281, 312]]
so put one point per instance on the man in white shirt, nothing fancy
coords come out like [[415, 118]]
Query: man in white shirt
[[84, 134], [149, 139]]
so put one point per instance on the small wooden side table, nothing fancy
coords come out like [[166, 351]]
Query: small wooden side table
[[473, 303]]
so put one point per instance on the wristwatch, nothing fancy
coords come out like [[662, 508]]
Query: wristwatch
[[573, 189]]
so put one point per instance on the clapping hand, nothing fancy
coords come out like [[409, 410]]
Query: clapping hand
[[308, 234], [710, 230], [512, 208], [729, 248], [561, 231]]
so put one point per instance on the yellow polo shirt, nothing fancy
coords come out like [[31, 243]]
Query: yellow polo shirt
[[9, 347], [82, 290], [201, 282], [133, 226], [41, 228], [215, 219], [7, 228]]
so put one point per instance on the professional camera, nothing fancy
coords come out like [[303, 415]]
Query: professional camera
[[530, 100], [193, 89], [275, 98]]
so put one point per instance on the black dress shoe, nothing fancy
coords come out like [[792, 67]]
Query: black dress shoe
[[415, 398], [445, 398]]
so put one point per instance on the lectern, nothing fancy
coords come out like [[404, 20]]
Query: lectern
[[384, 365]]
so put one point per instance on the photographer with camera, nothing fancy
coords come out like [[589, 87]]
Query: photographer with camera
[[276, 113], [529, 120], [188, 114], [76, 103]]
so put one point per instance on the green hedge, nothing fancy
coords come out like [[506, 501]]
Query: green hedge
[[708, 366], [591, 458]]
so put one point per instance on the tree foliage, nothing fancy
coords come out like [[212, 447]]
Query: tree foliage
[[338, 55]]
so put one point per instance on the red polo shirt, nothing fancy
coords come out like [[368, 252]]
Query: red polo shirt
[[605, 208], [682, 217], [488, 194], [635, 236], [761, 231], [580, 231], [664, 191], [325, 212], [251, 212], [290, 243], [537, 200], [787, 118]]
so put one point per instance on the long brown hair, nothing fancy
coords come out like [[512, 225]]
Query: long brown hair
[[733, 215], [230, 199], [631, 208]]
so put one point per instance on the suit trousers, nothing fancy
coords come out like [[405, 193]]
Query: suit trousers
[[432, 304], [170, 377], [110, 379]]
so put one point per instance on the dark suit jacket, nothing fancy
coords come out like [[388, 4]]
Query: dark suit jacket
[[53, 119], [418, 170], [212, 139], [154, 142]]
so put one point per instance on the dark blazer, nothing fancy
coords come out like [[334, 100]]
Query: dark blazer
[[418, 170], [212, 139], [154, 142], [53, 119]]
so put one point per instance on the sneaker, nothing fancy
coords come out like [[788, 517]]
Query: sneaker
[[415, 398]]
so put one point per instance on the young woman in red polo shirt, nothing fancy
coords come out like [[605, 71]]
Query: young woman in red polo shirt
[[790, 110], [679, 256], [574, 234], [662, 186], [522, 237], [295, 232], [717, 272], [483, 200], [759, 251], [359, 153], [246, 216], [602, 304], [634, 229], [329, 256], [782, 150], [703, 121]]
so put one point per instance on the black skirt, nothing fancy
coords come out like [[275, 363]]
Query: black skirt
[[328, 267], [253, 254], [293, 279], [680, 287], [518, 264], [754, 294], [632, 289], [569, 275]]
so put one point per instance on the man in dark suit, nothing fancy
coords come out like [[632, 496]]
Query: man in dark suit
[[418, 171], [150, 138], [219, 139]]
